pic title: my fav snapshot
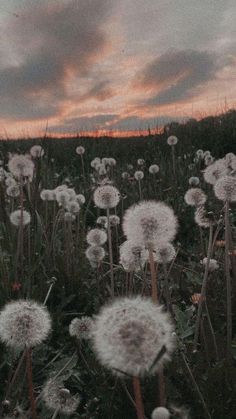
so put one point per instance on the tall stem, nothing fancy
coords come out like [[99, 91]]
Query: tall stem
[[153, 277], [138, 398], [30, 382], [203, 290], [110, 253], [228, 283], [173, 159]]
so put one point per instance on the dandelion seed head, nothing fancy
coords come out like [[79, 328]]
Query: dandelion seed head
[[140, 162], [129, 333], [200, 154], [37, 151], [213, 264], [47, 195], [149, 221], [80, 150], [57, 397], [95, 254], [21, 165], [73, 207], [111, 162], [153, 169], [106, 196], [80, 198], [139, 175], [114, 220], [69, 217], [24, 323], [133, 256], [225, 188], [195, 197], [201, 218], [125, 175], [95, 162], [62, 197], [172, 140], [165, 253], [208, 160], [15, 217], [215, 171], [96, 237], [10, 181], [102, 220], [13, 191], [160, 413], [194, 181], [81, 328]]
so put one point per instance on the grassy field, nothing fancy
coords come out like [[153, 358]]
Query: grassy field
[[44, 258]]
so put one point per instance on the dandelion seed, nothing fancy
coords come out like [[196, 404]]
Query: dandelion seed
[[140, 162], [73, 207], [95, 254], [24, 323], [17, 217], [80, 198], [128, 335], [200, 154], [114, 220], [106, 196], [57, 397], [125, 175], [13, 191], [132, 256], [47, 195], [165, 253], [102, 220], [195, 197], [10, 181], [81, 328]]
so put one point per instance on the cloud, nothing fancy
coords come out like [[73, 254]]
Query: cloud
[[84, 123], [178, 75], [61, 41]]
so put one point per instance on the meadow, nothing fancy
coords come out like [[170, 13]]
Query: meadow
[[118, 275]]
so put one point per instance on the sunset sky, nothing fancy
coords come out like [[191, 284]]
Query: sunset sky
[[113, 65]]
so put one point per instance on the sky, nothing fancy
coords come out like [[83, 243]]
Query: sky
[[114, 66]]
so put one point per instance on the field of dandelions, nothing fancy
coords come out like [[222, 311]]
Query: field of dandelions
[[118, 275]]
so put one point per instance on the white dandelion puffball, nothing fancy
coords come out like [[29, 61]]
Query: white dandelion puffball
[[80, 198], [95, 162], [62, 197], [102, 220], [225, 188], [73, 207], [114, 220], [195, 197], [215, 171], [207, 153], [18, 216], [101, 169], [57, 397], [13, 191], [201, 218], [106, 196], [208, 160], [213, 264], [200, 154], [139, 175], [149, 222], [24, 323], [111, 162], [10, 181], [140, 162], [172, 140], [95, 254], [81, 328], [125, 175], [60, 188], [160, 413], [37, 151], [80, 150], [21, 166], [96, 237], [194, 181], [165, 253], [153, 169], [47, 195], [129, 334], [132, 256]]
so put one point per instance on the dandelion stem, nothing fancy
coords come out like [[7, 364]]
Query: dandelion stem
[[110, 253], [228, 283], [138, 398], [30, 382], [153, 277]]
